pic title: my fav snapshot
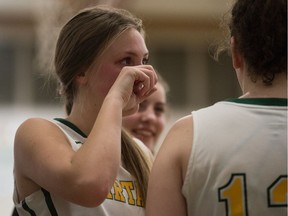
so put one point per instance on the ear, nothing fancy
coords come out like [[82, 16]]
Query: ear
[[82, 78], [236, 57]]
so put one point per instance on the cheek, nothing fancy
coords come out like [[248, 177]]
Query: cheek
[[130, 122], [106, 78], [160, 124]]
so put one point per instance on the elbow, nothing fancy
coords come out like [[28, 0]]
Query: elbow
[[90, 189], [92, 200], [92, 194]]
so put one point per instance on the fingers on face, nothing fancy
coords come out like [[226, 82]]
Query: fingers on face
[[148, 79]]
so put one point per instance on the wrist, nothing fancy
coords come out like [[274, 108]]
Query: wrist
[[113, 101]]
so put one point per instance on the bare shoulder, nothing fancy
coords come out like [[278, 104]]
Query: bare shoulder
[[35, 127], [34, 123], [35, 133], [183, 125], [169, 169], [178, 142], [180, 133]]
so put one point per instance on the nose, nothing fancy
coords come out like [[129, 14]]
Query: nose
[[148, 115]]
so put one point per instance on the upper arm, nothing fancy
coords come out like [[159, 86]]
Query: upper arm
[[42, 154], [168, 171], [44, 157]]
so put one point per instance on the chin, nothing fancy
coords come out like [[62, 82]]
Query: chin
[[149, 145]]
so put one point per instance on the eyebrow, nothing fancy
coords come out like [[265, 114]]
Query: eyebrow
[[161, 103], [134, 54]]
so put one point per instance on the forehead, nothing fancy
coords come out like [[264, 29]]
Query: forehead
[[130, 41]]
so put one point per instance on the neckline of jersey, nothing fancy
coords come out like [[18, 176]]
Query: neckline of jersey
[[260, 101], [71, 125]]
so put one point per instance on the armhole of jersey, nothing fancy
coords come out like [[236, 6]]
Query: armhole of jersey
[[58, 124], [191, 157], [15, 194]]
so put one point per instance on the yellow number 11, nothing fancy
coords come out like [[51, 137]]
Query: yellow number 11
[[234, 194]]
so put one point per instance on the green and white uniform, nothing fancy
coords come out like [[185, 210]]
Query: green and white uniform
[[238, 161], [123, 199]]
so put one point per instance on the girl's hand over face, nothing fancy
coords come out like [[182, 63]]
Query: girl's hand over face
[[133, 85]]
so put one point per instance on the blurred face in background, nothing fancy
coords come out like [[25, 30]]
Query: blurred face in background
[[148, 123]]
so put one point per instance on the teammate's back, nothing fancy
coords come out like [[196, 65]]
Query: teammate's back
[[231, 158], [238, 162]]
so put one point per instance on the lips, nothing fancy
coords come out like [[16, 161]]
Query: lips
[[143, 132]]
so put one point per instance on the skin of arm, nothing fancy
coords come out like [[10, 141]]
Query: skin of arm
[[169, 170], [43, 155], [37, 159]]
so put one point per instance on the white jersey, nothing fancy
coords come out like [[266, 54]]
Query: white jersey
[[238, 161], [123, 199]]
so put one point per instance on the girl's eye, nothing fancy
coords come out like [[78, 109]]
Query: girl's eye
[[127, 61], [142, 106], [159, 110], [145, 61]]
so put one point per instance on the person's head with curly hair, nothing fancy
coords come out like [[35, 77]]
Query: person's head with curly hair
[[258, 32]]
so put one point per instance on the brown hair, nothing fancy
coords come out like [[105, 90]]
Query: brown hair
[[81, 41], [260, 29]]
